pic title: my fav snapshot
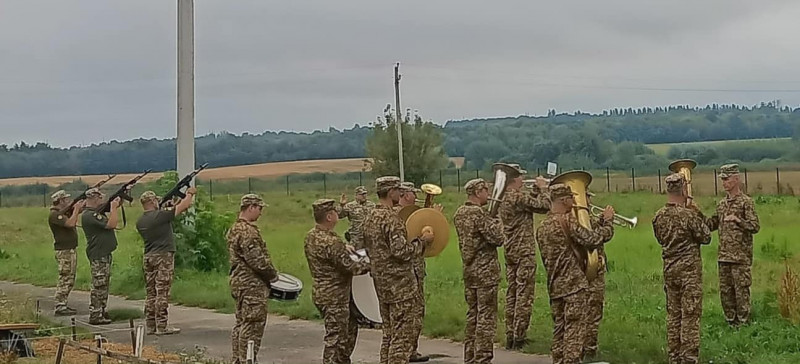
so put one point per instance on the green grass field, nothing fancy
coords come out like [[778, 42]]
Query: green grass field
[[663, 149], [633, 330]]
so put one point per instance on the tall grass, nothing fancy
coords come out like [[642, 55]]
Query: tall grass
[[633, 330]]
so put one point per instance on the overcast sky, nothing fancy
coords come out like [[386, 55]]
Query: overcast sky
[[81, 71]]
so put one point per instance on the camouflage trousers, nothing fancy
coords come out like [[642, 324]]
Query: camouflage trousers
[[101, 275], [521, 277], [684, 291], [67, 266], [568, 327], [341, 332], [481, 324], [734, 292], [251, 317], [594, 312], [420, 309], [159, 269], [400, 321]]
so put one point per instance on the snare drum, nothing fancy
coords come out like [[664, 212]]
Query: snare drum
[[287, 288]]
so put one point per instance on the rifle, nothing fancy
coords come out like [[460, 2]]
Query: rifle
[[186, 182], [123, 193], [68, 210]]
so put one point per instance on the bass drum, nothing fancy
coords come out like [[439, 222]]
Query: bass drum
[[364, 295]]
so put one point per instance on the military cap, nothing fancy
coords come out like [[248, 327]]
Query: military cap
[[559, 190], [386, 183], [475, 185], [361, 190], [93, 192], [147, 195], [59, 195], [675, 182], [251, 199], [323, 205], [728, 170], [409, 187]]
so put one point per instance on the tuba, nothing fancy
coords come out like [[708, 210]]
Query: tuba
[[431, 190], [579, 181], [503, 174], [684, 167]]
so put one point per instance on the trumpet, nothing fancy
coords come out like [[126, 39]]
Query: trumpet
[[629, 222]]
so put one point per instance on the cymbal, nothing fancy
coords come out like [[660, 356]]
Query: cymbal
[[406, 211], [436, 220]]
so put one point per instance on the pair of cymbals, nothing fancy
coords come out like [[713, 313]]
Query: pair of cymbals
[[419, 218]]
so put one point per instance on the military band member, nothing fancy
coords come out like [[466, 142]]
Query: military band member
[[516, 213], [155, 227], [101, 241], [332, 271], [681, 230], [596, 291], [392, 260], [560, 237], [479, 236], [355, 211], [408, 197], [65, 236], [737, 221], [250, 277]]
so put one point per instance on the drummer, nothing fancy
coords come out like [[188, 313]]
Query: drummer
[[332, 272]]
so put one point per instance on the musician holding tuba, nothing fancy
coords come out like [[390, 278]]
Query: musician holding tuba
[[516, 213], [561, 240]]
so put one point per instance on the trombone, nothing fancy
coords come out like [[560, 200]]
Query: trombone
[[629, 222]]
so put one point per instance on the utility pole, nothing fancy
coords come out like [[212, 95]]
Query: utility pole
[[185, 139], [399, 119]]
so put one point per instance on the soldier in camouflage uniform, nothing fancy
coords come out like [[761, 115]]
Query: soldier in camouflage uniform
[[408, 197], [737, 221], [250, 277], [355, 211], [596, 292], [681, 230], [560, 238], [392, 268], [516, 212], [101, 241], [479, 236], [155, 227], [65, 235], [332, 270]]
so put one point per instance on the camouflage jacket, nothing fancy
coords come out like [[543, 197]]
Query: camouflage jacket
[[516, 213], [356, 212], [391, 256], [251, 266], [331, 267], [735, 239], [565, 274], [680, 231], [479, 236]]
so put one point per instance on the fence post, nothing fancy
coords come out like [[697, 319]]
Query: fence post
[[60, 352], [133, 336], [211, 189], [360, 178], [458, 176], [287, 185], [1, 198], [74, 329], [249, 185], [99, 346], [778, 179], [44, 195], [633, 180], [659, 181], [608, 180], [477, 173], [324, 184], [716, 190], [745, 180]]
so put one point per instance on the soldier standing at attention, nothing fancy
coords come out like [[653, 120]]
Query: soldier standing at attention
[[516, 213], [101, 241], [155, 227], [65, 234], [392, 268], [560, 238], [479, 236], [681, 230], [250, 277], [737, 221], [356, 211], [408, 197], [332, 272], [596, 291]]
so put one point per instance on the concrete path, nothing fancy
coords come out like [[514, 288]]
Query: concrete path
[[285, 341]]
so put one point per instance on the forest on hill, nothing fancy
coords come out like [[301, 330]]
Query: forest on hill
[[615, 138]]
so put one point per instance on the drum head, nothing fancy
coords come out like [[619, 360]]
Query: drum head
[[365, 298], [287, 283]]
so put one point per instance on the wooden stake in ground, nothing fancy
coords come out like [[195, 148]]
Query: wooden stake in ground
[[60, 351]]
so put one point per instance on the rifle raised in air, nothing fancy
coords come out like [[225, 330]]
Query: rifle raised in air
[[68, 210], [185, 182]]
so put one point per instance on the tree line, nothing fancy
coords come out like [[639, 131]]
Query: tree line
[[614, 138]]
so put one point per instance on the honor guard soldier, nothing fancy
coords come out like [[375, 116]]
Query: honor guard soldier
[[250, 277], [332, 270], [408, 197], [65, 236], [479, 236], [101, 241], [680, 230], [355, 211]]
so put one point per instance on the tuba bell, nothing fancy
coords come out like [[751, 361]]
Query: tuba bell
[[431, 190], [684, 167], [579, 182], [503, 174]]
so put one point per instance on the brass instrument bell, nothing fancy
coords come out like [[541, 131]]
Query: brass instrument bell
[[684, 167], [578, 182]]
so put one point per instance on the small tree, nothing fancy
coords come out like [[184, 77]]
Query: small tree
[[423, 151]]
